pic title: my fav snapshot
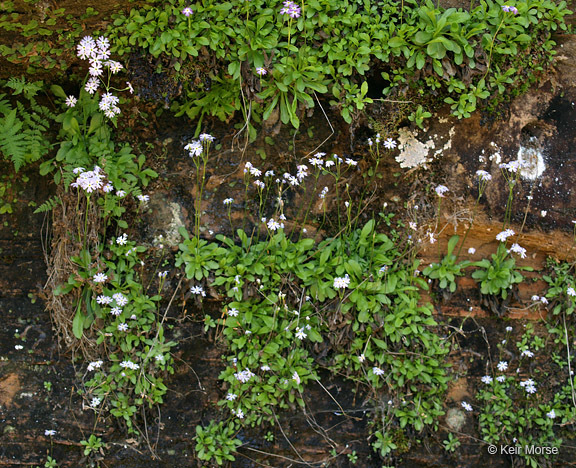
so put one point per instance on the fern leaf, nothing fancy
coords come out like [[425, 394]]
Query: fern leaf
[[20, 85], [48, 205], [12, 143]]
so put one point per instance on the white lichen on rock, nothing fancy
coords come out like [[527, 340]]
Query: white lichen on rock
[[413, 152], [531, 159]]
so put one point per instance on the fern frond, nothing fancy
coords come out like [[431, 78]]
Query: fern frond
[[5, 105], [20, 85], [48, 205], [13, 144]]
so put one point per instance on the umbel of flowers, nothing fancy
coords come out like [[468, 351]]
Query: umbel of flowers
[[97, 53]]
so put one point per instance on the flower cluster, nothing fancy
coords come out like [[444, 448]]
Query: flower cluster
[[512, 166], [291, 9], [342, 283], [198, 291], [244, 376], [483, 176], [129, 365], [97, 52], [196, 147], [509, 9], [529, 385], [518, 250], [91, 181], [94, 365], [502, 236]]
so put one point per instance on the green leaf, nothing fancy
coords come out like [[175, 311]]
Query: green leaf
[[78, 323]]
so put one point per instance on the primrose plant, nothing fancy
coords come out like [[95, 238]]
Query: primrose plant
[[520, 404], [284, 295]]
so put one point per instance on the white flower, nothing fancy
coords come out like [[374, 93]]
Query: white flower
[[194, 148], [122, 239], [467, 406], [91, 85], [162, 274], [530, 389], [159, 357], [528, 353], [300, 334], [377, 371], [244, 376], [362, 358], [100, 278], [535, 298], [265, 368], [129, 365], [18, 346], [502, 236], [519, 250], [351, 162], [527, 383], [232, 312], [296, 378], [389, 143], [116, 311], [94, 365], [71, 101], [231, 396], [120, 193], [486, 379], [228, 201], [543, 300], [502, 366], [273, 225], [143, 198], [483, 176], [342, 283], [198, 290], [206, 137], [49, 432], [316, 162], [471, 250], [501, 378], [441, 190], [239, 414], [509, 329], [551, 414], [543, 213], [571, 292], [103, 300], [122, 327], [95, 402], [302, 172], [120, 299]]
